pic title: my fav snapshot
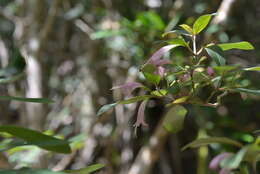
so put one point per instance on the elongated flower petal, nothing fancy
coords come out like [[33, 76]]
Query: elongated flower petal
[[128, 87], [160, 71], [214, 164], [160, 62], [158, 54], [140, 115]]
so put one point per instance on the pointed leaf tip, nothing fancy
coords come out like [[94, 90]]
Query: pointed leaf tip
[[201, 23], [105, 108], [237, 45]]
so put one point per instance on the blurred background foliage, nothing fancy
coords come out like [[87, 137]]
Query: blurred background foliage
[[76, 50]]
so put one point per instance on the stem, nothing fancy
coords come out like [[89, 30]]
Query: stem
[[194, 45], [195, 56]]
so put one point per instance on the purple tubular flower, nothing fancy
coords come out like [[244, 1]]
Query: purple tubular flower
[[210, 71], [214, 164], [160, 71], [160, 62], [128, 87], [140, 115], [156, 60]]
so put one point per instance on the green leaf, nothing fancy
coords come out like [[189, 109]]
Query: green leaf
[[29, 171], [9, 144], [201, 23], [159, 93], [187, 28], [149, 68], [237, 45], [248, 91], [150, 20], [135, 99], [216, 54], [253, 154], [180, 100], [22, 99], [86, 170], [234, 161], [175, 33], [37, 138], [178, 42], [105, 108], [174, 119], [211, 140], [152, 78], [257, 68], [224, 69]]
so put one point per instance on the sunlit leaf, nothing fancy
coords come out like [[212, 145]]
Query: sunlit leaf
[[216, 54], [37, 138], [257, 68], [105, 108], [237, 45], [201, 23], [22, 99], [86, 170], [180, 100], [159, 93], [152, 78], [187, 28], [211, 140], [174, 119], [135, 99]]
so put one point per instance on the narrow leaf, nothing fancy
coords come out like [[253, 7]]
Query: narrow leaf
[[257, 68], [201, 23], [180, 100], [216, 54], [37, 138], [248, 91], [86, 170], [22, 99], [187, 28], [237, 45], [211, 140], [175, 33], [234, 161], [105, 108], [178, 41], [174, 119]]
